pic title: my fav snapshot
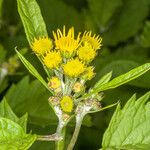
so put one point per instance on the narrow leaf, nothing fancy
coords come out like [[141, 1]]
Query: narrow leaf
[[32, 19], [103, 80], [32, 70], [122, 79]]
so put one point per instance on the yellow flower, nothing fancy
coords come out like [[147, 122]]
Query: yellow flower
[[77, 87], [54, 83], [94, 40], [89, 74], [73, 68], [66, 104], [86, 52], [52, 59], [66, 43], [42, 45]]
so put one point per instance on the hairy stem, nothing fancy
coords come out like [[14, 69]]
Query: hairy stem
[[76, 133], [53, 137], [59, 145]]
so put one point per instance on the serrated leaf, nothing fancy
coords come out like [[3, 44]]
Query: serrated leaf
[[129, 127], [103, 80], [32, 19], [23, 122], [13, 137], [103, 10], [6, 112], [122, 79], [127, 22], [145, 37], [32, 70]]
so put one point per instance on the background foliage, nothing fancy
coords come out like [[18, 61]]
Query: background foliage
[[125, 28]]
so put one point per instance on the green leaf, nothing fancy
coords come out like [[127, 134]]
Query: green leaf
[[32, 19], [122, 79], [6, 112], [32, 70], [31, 97], [127, 22], [129, 127], [103, 10], [12, 136], [103, 80], [145, 37], [23, 122]]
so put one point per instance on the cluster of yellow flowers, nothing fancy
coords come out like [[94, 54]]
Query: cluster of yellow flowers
[[70, 57]]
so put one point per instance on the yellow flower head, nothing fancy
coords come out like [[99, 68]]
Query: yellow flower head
[[66, 104], [42, 45], [52, 59], [77, 87], [89, 74], [73, 68], [54, 83], [66, 43], [86, 52], [94, 40]]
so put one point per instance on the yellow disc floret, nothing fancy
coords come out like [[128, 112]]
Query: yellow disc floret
[[66, 43], [42, 45], [89, 73], [94, 40], [74, 68], [52, 59], [86, 52], [54, 83], [66, 104]]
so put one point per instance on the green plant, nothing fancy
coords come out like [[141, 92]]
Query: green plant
[[66, 103]]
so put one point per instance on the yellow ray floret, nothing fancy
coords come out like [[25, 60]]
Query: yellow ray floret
[[89, 73], [74, 68], [94, 40], [54, 83], [52, 59], [42, 45], [66, 104], [86, 52], [66, 43]]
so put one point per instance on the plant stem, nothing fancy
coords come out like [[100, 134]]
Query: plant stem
[[59, 145], [53, 137], [76, 133]]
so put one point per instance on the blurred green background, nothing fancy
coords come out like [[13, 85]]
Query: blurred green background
[[125, 28]]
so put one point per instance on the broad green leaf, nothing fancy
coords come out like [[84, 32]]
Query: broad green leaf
[[32, 19], [6, 112], [23, 122], [12, 136], [32, 70], [103, 80], [103, 10], [127, 22], [129, 127], [122, 79], [31, 97], [145, 37]]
